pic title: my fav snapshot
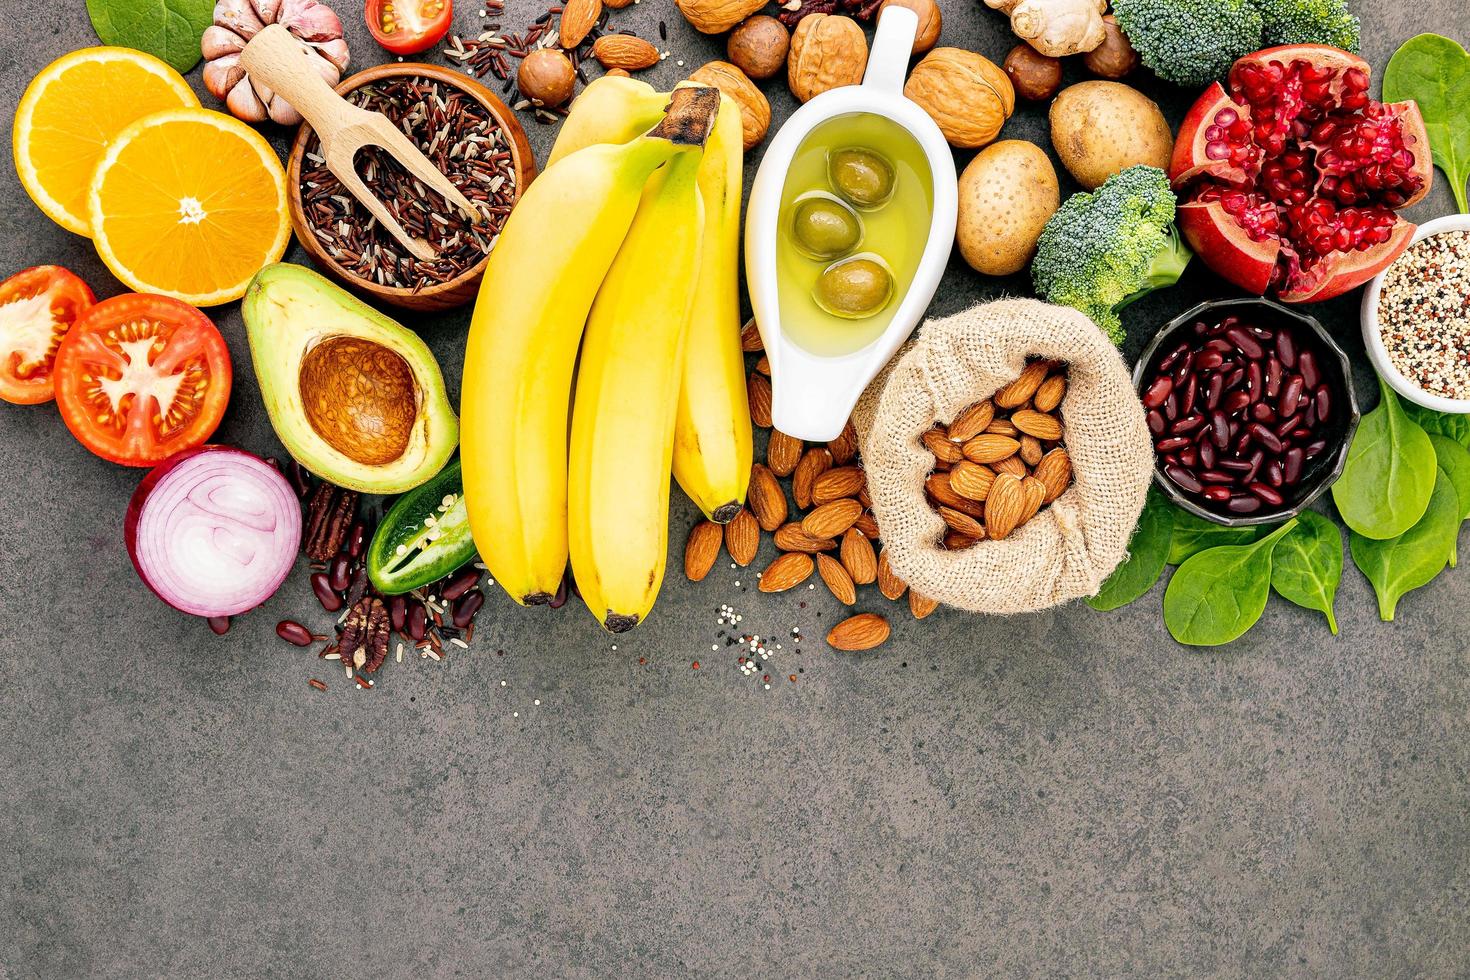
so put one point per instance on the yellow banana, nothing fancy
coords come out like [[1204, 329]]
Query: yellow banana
[[611, 109], [539, 285], [712, 450], [627, 393]]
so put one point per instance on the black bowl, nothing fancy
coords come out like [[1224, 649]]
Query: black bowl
[[1321, 472]]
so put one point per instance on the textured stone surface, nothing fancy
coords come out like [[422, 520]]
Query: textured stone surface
[[1061, 794]]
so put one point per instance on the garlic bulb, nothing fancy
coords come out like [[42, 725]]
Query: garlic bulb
[[237, 21]]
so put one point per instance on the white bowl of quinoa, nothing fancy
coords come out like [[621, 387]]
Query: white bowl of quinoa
[[1416, 317]]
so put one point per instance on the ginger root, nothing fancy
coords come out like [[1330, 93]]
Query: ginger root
[[1056, 28]]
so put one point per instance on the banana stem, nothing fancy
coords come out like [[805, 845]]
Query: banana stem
[[690, 118]]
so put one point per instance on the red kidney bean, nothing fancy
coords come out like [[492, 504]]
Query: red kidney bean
[[1217, 476], [339, 573], [293, 632], [1186, 424], [1266, 494], [1156, 421], [1208, 360], [1310, 420], [1307, 362], [1206, 454], [418, 622], [1315, 448], [1235, 401], [1322, 402], [1286, 349], [1254, 378], [1275, 475], [1157, 392], [1234, 378], [1247, 344], [356, 539], [1217, 494], [1262, 412], [1171, 444], [1291, 465], [465, 608], [1190, 457], [461, 584], [1235, 465], [1291, 393], [1243, 503], [1273, 379], [1219, 429], [1265, 437], [1183, 478], [220, 625], [1171, 407], [1214, 388], [329, 598], [397, 613], [1168, 363], [1258, 458], [1283, 428], [1301, 434], [1191, 389], [1202, 328]]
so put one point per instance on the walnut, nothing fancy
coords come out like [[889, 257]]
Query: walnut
[[827, 51], [755, 111], [929, 21], [758, 46], [967, 95], [717, 16]]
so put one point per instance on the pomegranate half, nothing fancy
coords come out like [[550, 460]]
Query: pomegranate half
[[1290, 180]]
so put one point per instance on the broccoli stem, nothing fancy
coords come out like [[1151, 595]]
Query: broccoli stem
[[1166, 268]]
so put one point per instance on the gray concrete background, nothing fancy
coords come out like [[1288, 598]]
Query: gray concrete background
[[1061, 794]]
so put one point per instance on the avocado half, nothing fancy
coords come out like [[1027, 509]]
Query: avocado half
[[355, 397]]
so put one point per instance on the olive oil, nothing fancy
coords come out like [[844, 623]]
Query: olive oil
[[893, 232]]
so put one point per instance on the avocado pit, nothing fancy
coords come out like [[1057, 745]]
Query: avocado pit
[[360, 398]]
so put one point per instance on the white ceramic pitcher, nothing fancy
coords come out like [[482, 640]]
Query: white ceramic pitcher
[[813, 394]]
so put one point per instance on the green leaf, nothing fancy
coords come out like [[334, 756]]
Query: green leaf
[[1435, 72], [1399, 565], [1219, 593], [1306, 566], [1385, 487], [166, 29], [1194, 534], [1454, 459], [1457, 427], [1147, 553]]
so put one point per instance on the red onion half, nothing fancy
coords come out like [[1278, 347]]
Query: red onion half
[[214, 531]]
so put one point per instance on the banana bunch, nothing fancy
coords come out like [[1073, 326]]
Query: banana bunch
[[632, 233]]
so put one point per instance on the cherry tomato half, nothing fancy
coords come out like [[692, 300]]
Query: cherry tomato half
[[139, 378], [37, 308], [409, 26]]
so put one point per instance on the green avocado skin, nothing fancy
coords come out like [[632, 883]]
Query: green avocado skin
[[289, 310], [405, 524]]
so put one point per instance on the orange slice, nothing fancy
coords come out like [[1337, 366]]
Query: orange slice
[[189, 203], [72, 110]]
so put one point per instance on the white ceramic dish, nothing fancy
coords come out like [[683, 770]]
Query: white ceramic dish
[[813, 394], [1373, 338]]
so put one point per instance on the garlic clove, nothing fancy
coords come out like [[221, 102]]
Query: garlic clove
[[335, 51], [310, 20], [222, 74], [268, 10], [243, 103], [220, 41], [239, 16]]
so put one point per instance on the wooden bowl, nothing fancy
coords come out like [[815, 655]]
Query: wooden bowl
[[441, 296]]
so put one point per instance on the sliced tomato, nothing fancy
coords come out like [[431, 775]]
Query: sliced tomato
[[37, 307], [409, 26], [139, 378]]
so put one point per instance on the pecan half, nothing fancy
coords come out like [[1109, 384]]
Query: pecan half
[[365, 635], [793, 11], [329, 516]]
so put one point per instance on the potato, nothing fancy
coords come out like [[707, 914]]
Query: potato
[[1006, 195], [1100, 128]]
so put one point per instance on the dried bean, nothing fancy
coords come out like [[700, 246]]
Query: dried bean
[[339, 573], [1266, 494], [1322, 402], [1243, 503], [1171, 444], [1286, 349], [329, 597], [1219, 494], [1245, 343], [1291, 466], [220, 625], [418, 622], [1291, 393], [293, 632], [1183, 478], [1157, 424], [1307, 362], [397, 613], [465, 608], [1186, 424], [1157, 392]]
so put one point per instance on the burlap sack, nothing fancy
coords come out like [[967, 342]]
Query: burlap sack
[[1068, 549]]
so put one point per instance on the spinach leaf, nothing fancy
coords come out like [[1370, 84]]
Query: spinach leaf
[[1194, 534], [1306, 566], [167, 29], [1454, 459], [1457, 427], [1390, 470], [1147, 553], [1219, 593], [1435, 72], [1413, 559]]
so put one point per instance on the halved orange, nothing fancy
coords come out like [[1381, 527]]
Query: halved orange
[[72, 110], [189, 203]]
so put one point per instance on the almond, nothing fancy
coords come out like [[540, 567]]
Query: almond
[[743, 538], [937, 441], [783, 452], [1003, 427], [921, 605], [843, 481], [750, 337], [577, 20], [702, 549], [1037, 424], [817, 461], [889, 584], [763, 366], [1035, 492], [955, 541], [830, 520], [845, 446], [987, 448], [941, 489], [861, 632], [767, 499], [790, 537], [837, 579], [867, 526], [1031, 451], [1004, 506], [624, 51], [1019, 392], [1011, 465], [1049, 395], [962, 523], [858, 557], [971, 480], [1055, 473], [758, 388], [972, 421], [786, 572], [865, 498]]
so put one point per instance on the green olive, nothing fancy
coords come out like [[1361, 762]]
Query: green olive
[[862, 176], [825, 228], [854, 288]]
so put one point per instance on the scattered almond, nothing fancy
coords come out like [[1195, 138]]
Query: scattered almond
[[786, 572], [1049, 396], [830, 520], [836, 483], [577, 20], [1055, 472], [1011, 465], [889, 584], [1031, 451], [814, 463], [989, 448], [941, 489], [1019, 392], [920, 605], [1004, 506], [962, 523], [1037, 424], [743, 538], [938, 443], [1003, 427], [972, 421], [867, 526], [783, 452], [1035, 492], [837, 579], [750, 337], [758, 390], [858, 557], [624, 51], [971, 480], [766, 498], [790, 537], [861, 632], [702, 549], [845, 446]]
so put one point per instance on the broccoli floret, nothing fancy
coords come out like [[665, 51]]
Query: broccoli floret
[[1309, 22], [1101, 251], [1190, 42]]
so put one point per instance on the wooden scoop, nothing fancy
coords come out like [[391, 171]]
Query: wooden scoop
[[277, 61]]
